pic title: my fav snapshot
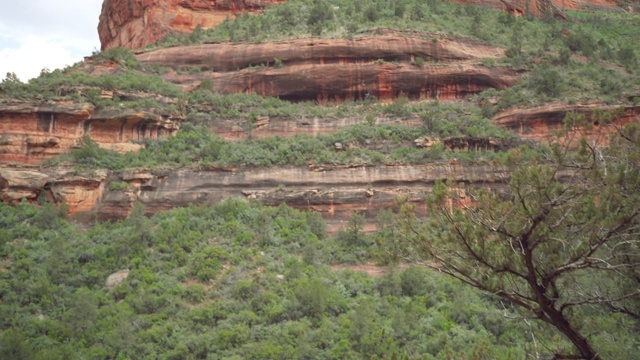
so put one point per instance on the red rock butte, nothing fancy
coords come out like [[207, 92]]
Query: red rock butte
[[135, 24]]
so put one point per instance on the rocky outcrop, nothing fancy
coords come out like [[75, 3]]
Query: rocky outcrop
[[334, 191], [265, 126], [337, 70], [116, 279], [135, 24], [466, 143], [80, 192], [227, 57], [18, 184], [31, 133], [337, 82], [539, 123]]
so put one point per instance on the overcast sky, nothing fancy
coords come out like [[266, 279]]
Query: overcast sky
[[35, 34]]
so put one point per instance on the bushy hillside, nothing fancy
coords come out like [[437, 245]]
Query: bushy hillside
[[237, 280]]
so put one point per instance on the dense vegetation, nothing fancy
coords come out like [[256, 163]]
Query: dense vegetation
[[365, 143], [235, 281], [561, 243]]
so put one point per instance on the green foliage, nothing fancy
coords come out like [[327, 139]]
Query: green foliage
[[319, 15], [582, 42], [118, 185], [205, 265], [119, 55], [547, 82], [196, 280], [540, 246], [399, 107], [352, 233], [575, 82], [197, 146], [627, 57]]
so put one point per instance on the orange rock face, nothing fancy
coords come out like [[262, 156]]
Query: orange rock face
[[135, 24], [337, 83], [337, 70], [78, 192], [539, 123], [33, 133]]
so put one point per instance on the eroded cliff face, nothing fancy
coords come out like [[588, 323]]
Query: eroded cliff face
[[540, 123], [338, 83], [337, 70], [31, 133], [227, 57], [335, 192], [135, 24], [80, 192]]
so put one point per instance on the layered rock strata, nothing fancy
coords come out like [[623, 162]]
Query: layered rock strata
[[31, 133], [80, 192], [335, 192], [226, 57], [539, 123], [383, 67], [265, 126], [338, 83]]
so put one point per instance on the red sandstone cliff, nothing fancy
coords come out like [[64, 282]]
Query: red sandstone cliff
[[336, 70], [394, 47], [31, 133], [135, 24], [540, 122]]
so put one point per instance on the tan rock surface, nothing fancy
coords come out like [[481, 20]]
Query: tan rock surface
[[335, 192], [16, 184], [230, 57], [116, 279]]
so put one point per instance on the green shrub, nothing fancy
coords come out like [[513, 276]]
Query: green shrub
[[399, 107], [118, 185]]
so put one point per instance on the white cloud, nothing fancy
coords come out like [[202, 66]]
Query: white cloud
[[35, 34], [32, 56]]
